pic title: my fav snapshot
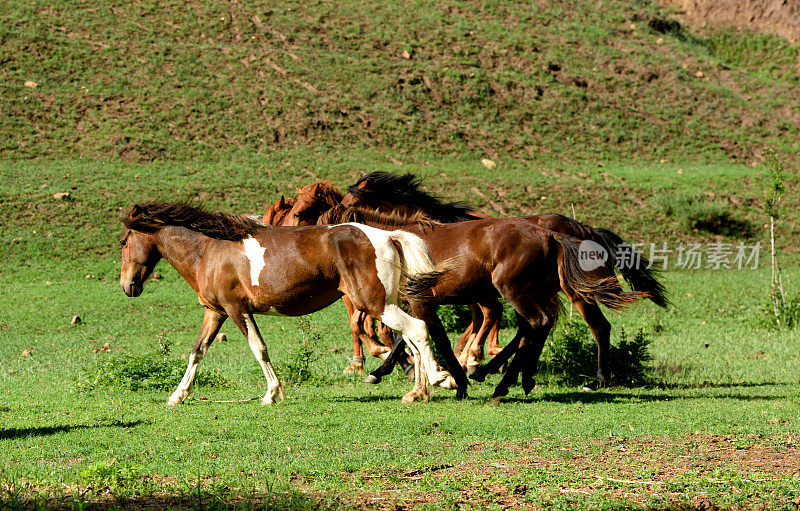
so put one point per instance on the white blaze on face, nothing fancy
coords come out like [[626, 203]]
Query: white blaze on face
[[255, 254]]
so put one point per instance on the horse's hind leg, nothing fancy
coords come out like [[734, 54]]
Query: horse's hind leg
[[601, 329], [248, 326], [492, 313], [212, 321], [357, 362]]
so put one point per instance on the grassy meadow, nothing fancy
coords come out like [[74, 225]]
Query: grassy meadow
[[715, 424], [612, 112]]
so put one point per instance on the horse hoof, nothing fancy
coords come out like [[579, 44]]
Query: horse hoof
[[374, 380], [477, 376], [448, 383], [496, 401], [528, 385], [461, 394]]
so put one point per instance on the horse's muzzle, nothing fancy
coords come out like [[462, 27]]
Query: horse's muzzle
[[132, 289]]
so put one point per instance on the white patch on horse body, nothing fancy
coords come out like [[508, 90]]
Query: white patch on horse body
[[386, 262], [255, 254]]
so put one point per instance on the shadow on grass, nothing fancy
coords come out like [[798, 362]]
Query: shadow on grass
[[14, 433], [16, 500]]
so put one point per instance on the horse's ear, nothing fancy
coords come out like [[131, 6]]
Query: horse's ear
[[282, 202], [136, 211], [297, 188]]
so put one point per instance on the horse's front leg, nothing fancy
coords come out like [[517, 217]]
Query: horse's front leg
[[212, 321], [357, 362], [248, 326]]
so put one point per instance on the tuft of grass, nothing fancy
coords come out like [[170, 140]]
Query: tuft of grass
[[570, 357], [788, 313], [112, 474], [149, 371], [714, 217], [297, 368]]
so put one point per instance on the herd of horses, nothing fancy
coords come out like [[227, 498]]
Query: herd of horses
[[393, 252]]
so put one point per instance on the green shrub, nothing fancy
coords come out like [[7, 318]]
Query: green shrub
[[456, 318], [695, 213], [111, 473], [297, 368], [570, 357], [788, 313], [154, 370]]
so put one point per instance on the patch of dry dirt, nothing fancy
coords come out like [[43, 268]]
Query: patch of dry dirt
[[609, 467], [780, 17]]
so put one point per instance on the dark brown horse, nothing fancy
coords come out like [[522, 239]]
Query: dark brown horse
[[388, 192], [513, 258], [239, 267]]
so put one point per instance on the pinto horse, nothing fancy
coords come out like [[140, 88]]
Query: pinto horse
[[312, 201], [239, 267]]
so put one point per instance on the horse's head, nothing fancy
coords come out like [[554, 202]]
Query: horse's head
[[277, 213], [139, 257], [312, 201]]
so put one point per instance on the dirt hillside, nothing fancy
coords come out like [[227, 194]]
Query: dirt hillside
[[780, 17]]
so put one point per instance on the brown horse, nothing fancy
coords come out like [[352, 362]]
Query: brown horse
[[403, 193], [239, 267], [513, 258], [312, 201]]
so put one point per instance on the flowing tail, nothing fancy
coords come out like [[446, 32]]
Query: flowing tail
[[637, 273], [588, 286], [419, 274]]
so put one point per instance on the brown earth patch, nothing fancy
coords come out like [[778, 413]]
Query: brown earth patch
[[778, 17], [636, 471]]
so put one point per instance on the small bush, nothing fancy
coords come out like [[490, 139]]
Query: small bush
[[153, 370], [570, 358], [714, 217], [111, 473], [456, 318], [788, 313], [297, 369]]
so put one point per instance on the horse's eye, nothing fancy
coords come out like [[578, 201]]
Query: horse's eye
[[122, 243]]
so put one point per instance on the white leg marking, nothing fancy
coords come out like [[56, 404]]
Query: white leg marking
[[255, 254], [274, 387], [182, 392], [416, 332]]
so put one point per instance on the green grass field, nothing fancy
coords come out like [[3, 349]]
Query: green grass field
[[718, 424], [608, 111]]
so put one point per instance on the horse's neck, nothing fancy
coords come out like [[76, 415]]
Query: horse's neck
[[182, 248]]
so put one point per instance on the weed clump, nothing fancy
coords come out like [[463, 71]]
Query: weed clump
[[713, 217], [787, 313], [570, 358], [297, 369], [112, 474], [150, 371], [456, 318]]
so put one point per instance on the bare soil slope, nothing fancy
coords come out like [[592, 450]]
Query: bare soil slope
[[779, 17]]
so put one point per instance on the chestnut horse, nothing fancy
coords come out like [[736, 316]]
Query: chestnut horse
[[513, 258], [239, 267]]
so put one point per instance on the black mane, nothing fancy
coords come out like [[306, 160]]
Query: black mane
[[384, 188], [152, 216]]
